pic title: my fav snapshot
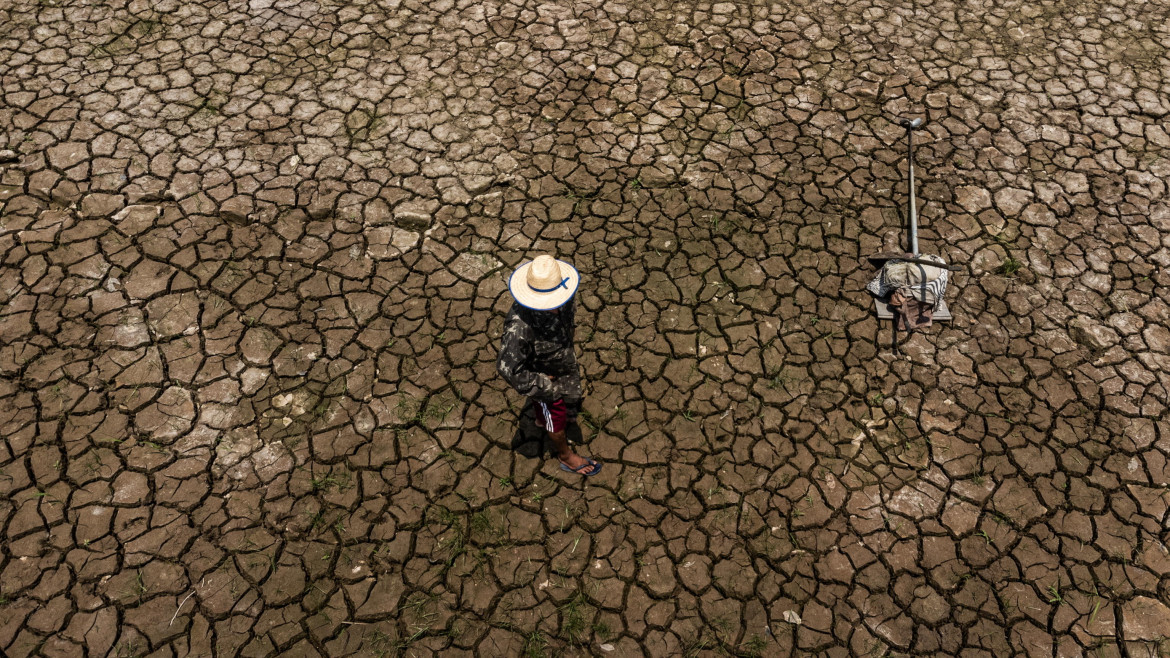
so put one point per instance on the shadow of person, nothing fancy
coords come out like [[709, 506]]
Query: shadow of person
[[527, 445], [531, 440]]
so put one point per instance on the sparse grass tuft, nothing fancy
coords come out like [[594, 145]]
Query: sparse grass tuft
[[755, 646], [698, 647], [331, 481], [779, 379], [1054, 595], [573, 622], [535, 645]]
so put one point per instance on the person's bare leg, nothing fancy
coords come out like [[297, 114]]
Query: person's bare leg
[[564, 453]]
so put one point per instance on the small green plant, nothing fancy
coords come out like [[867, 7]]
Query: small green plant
[[207, 106], [128, 649], [506, 481], [1008, 606], [155, 447], [1099, 647], [437, 410], [137, 589], [409, 409], [586, 420], [1010, 266], [779, 379], [329, 482], [446, 516], [573, 619], [481, 522], [320, 409], [636, 184], [1054, 595], [755, 646], [421, 605], [721, 625], [698, 647], [1096, 606], [535, 645], [378, 643]]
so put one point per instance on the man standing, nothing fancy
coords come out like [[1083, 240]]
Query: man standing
[[536, 353]]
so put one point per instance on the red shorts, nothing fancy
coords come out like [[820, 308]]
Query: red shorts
[[552, 416]]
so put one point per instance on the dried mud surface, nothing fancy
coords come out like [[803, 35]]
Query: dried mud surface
[[253, 276]]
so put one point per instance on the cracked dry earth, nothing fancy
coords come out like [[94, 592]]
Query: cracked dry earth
[[254, 262]]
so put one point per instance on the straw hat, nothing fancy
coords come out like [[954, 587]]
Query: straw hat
[[544, 283]]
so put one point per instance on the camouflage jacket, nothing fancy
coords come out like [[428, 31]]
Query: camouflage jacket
[[537, 344]]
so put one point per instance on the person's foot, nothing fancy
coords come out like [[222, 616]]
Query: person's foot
[[574, 463]]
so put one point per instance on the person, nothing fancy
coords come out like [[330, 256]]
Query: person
[[536, 354]]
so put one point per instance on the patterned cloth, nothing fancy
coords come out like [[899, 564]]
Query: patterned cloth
[[537, 344], [909, 313], [922, 282]]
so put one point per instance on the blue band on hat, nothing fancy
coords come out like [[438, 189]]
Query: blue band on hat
[[563, 284]]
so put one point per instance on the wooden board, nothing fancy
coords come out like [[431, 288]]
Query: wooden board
[[941, 314]]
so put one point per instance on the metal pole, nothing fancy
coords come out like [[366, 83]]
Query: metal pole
[[913, 200], [910, 127]]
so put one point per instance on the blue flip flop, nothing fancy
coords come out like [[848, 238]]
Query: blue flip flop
[[590, 467]]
